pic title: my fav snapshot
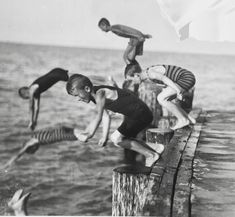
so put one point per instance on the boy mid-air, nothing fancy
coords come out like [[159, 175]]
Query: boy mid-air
[[40, 85], [177, 80], [137, 115], [137, 38]]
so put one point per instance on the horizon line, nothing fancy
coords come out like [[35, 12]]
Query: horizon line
[[111, 48]]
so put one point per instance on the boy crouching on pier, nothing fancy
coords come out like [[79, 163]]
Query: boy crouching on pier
[[176, 80], [137, 115]]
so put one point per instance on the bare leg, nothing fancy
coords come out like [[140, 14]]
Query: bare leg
[[175, 109], [129, 53], [32, 142], [135, 145], [159, 148]]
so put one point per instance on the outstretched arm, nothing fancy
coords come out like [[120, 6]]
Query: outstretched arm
[[106, 120], [37, 107], [33, 107], [92, 127], [128, 32]]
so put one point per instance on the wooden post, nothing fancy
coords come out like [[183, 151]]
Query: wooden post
[[160, 136], [129, 190], [166, 122], [148, 92]]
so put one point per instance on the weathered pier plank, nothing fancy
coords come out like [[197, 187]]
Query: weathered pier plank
[[182, 190], [162, 181], [163, 175]]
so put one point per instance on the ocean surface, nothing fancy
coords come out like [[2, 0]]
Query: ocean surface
[[72, 178]]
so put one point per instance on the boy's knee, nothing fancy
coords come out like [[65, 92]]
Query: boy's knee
[[116, 138], [161, 99]]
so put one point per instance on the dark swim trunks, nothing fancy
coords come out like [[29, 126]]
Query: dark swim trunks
[[139, 46], [131, 128]]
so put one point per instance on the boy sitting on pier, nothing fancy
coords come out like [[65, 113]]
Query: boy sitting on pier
[[177, 81], [137, 38], [137, 115]]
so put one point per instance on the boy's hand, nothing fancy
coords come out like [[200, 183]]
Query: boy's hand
[[180, 96], [32, 125], [148, 36], [102, 142], [136, 79], [82, 137]]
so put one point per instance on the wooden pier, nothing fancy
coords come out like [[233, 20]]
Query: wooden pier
[[178, 184], [165, 190]]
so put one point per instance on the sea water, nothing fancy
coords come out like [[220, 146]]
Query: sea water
[[73, 178]]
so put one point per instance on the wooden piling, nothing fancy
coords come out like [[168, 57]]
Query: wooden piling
[[129, 190], [164, 189], [148, 92], [158, 135]]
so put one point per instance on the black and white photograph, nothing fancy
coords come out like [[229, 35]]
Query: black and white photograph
[[117, 108]]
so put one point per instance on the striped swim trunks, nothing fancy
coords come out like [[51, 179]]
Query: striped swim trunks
[[180, 76], [54, 134]]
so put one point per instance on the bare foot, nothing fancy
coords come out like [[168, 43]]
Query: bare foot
[[18, 203], [159, 148], [151, 160], [180, 124], [191, 119]]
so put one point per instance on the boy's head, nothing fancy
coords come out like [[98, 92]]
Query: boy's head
[[104, 24], [80, 86], [132, 69], [24, 92]]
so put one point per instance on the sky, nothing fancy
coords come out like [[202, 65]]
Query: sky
[[74, 23]]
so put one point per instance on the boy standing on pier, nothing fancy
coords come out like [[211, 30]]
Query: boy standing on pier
[[137, 38], [176, 80], [137, 115]]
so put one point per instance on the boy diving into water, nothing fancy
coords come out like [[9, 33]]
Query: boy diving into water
[[177, 81], [137, 115], [137, 38], [43, 137], [42, 84]]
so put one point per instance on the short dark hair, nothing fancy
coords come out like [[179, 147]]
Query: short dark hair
[[77, 81], [135, 66], [22, 92], [104, 20]]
